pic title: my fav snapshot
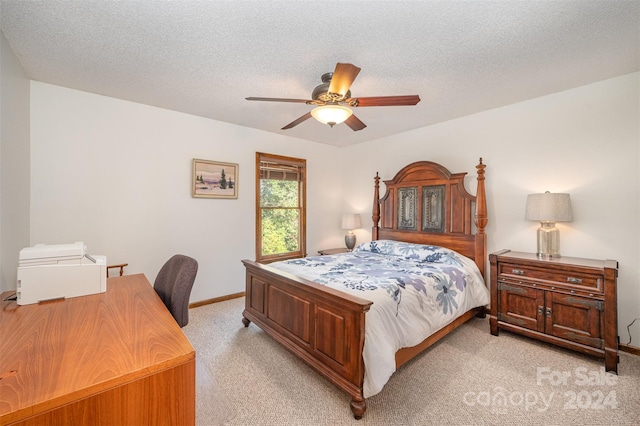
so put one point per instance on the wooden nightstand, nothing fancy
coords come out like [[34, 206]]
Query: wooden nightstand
[[567, 301], [332, 251]]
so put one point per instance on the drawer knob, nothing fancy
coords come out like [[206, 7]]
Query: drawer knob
[[517, 271], [574, 280]]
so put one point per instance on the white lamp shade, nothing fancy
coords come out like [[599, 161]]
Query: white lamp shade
[[549, 207], [331, 114], [351, 221]]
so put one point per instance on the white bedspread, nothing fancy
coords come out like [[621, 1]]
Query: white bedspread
[[415, 289]]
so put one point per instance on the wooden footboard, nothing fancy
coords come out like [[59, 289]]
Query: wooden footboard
[[322, 326]]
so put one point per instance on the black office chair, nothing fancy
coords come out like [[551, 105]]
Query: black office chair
[[173, 284]]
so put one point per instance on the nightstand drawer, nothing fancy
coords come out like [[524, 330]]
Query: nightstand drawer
[[564, 279]]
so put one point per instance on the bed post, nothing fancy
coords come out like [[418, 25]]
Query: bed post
[[481, 220], [375, 215]]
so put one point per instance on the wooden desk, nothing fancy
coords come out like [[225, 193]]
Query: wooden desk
[[114, 358]]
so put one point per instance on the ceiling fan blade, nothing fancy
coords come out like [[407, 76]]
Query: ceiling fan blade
[[355, 123], [384, 101], [300, 101], [343, 77], [297, 121]]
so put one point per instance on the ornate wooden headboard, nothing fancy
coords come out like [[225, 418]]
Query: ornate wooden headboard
[[427, 204]]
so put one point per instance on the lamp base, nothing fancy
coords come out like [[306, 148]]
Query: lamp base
[[545, 256], [350, 240], [548, 241]]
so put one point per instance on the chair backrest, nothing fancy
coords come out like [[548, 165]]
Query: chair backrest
[[173, 284]]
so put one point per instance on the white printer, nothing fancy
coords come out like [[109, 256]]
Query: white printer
[[49, 272]]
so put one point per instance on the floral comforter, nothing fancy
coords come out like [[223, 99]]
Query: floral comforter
[[415, 289]]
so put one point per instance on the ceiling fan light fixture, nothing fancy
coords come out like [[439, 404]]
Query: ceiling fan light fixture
[[331, 114], [334, 92]]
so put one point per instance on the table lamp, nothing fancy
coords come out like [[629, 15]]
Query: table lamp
[[350, 221], [548, 209]]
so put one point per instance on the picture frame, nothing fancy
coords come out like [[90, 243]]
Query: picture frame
[[214, 179]]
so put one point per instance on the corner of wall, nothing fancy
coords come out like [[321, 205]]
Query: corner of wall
[[14, 163]]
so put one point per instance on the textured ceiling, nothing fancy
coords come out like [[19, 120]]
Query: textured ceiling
[[205, 57]]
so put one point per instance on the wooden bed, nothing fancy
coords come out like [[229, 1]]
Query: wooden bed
[[425, 204]]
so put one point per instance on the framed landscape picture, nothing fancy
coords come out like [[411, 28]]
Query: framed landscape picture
[[214, 179]]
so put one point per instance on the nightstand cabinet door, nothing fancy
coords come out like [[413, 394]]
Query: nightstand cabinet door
[[574, 318], [522, 306]]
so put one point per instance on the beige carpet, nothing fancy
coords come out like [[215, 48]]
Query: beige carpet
[[470, 378]]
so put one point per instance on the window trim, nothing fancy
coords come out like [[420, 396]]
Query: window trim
[[279, 159]]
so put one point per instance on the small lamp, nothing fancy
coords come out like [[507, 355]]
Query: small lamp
[[350, 222], [548, 209], [331, 114]]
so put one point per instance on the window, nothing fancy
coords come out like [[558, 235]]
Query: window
[[280, 207]]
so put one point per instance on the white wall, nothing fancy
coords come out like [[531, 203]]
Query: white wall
[[584, 141], [117, 175], [14, 163]]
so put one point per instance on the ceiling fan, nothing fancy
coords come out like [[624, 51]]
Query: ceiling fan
[[333, 94]]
